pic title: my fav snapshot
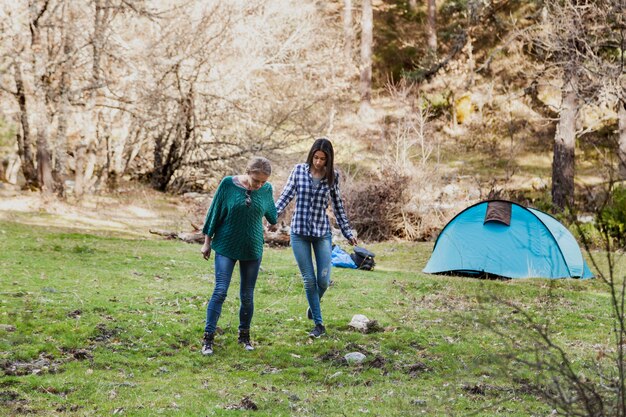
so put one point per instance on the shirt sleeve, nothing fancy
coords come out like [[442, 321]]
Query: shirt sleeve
[[340, 213], [271, 214], [214, 215], [289, 192]]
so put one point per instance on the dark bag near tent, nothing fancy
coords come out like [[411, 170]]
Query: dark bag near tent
[[363, 258]]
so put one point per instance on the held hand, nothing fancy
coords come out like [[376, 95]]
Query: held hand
[[353, 241], [272, 228], [206, 251]]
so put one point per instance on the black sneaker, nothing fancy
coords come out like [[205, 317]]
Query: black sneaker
[[317, 331], [309, 314], [244, 339], [207, 344]]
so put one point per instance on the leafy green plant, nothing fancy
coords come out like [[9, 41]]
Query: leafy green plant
[[612, 218]]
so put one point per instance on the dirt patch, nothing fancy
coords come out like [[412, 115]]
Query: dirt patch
[[378, 362], [12, 400], [416, 369], [336, 357], [245, 404], [127, 212], [104, 334], [74, 314], [42, 365], [78, 354], [8, 397]]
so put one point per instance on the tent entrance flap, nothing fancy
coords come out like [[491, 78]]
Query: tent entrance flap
[[498, 211]]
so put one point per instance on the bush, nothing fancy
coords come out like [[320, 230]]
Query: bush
[[376, 206], [612, 219]]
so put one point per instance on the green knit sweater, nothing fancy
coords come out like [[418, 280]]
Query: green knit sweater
[[235, 228]]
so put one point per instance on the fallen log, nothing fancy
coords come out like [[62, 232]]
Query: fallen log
[[274, 239], [189, 237]]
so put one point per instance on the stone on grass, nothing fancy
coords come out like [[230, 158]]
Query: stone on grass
[[363, 324], [355, 357]]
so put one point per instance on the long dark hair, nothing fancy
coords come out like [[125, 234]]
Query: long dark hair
[[324, 145]]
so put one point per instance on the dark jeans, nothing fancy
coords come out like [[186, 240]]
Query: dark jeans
[[315, 282], [248, 271]]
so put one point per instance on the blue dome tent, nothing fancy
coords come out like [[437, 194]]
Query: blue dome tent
[[505, 239]]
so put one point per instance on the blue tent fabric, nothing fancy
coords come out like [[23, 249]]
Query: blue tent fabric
[[534, 245], [341, 258]]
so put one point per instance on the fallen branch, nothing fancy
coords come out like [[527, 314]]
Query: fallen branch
[[189, 237]]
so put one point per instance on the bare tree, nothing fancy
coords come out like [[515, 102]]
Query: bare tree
[[621, 117], [24, 137], [175, 93], [367, 39], [564, 147], [348, 30], [37, 10], [571, 38], [431, 26]]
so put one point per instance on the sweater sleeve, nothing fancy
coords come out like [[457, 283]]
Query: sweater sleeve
[[215, 214], [271, 214], [340, 213], [289, 192]]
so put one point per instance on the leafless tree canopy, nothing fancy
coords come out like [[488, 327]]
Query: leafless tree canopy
[[170, 91]]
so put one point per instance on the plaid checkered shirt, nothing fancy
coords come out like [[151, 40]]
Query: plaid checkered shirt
[[309, 217]]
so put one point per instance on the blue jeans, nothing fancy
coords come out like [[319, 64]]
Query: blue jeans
[[248, 271], [315, 284]]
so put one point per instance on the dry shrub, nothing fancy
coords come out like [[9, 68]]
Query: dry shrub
[[374, 205], [399, 200]]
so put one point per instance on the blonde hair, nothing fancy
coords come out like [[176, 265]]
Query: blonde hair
[[259, 164]]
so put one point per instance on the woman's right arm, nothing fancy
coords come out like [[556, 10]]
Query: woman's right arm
[[212, 220]]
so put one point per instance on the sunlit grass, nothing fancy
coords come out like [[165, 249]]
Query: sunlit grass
[[99, 325]]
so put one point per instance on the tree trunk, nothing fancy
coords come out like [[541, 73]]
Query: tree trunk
[[348, 32], [40, 112], [44, 163], [564, 148], [431, 26], [471, 62], [94, 100], [79, 168], [621, 122], [24, 138], [367, 29], [59, 170]]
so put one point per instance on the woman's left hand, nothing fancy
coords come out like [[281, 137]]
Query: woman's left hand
[[206, 251]]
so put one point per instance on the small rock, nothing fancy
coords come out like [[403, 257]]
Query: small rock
[[359, 322], [355, 357], [363, 324]]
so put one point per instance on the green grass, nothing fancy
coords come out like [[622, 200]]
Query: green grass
[[97, 325]]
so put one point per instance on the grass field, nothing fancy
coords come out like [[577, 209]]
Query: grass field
[[98, 325]]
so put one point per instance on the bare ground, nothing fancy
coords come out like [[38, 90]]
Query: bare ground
[[130, 212]]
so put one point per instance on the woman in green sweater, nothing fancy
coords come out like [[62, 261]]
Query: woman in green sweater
[[234, 230]]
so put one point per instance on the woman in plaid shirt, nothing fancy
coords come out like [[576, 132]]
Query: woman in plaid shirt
[[313, 184]]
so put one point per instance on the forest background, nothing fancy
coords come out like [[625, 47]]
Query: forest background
[[117, 116], [431, 106]]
